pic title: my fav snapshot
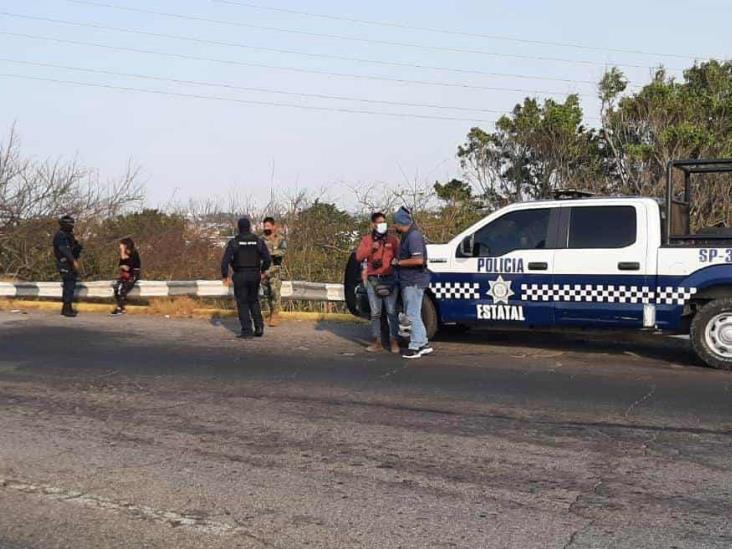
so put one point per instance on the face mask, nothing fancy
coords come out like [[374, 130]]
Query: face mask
[[268, 231], [381, 228]]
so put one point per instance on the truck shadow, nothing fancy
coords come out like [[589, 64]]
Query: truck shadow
[[672, 350]]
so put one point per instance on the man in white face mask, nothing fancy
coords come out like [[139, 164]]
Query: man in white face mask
[[377, 250]]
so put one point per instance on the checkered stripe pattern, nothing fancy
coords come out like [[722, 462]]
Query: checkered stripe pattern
[[668, 295], [587, 293], [606, 294], [456, 290]]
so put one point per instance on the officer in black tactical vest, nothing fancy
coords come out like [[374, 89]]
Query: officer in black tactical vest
[[247, 255], [67, 251]]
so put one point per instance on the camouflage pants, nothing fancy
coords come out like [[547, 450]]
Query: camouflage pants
[[272, 288]]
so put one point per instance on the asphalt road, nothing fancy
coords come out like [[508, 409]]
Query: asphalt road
[[150, 432]]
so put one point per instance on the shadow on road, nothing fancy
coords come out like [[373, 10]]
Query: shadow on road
[[356, 333], [644, 345], [230, 324]]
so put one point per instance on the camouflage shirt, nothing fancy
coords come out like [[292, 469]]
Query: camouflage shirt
[[277, 246]]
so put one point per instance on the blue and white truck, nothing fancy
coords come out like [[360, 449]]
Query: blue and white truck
[[629, 263]]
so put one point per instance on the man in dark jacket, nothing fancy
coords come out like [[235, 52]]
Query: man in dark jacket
[[247, 255], [67, 251]]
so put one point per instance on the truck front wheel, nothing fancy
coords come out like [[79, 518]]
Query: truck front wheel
[[711, 334], [429, 316]]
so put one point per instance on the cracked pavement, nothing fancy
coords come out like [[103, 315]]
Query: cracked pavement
[[149, 432]]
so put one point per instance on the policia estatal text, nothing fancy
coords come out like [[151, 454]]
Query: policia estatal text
[[247, 255], [67, 251]]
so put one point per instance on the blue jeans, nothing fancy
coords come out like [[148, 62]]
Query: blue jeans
[[376, 304], [412, 297]]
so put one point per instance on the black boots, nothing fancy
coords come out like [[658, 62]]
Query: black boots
[[259, 331], [68, 311]]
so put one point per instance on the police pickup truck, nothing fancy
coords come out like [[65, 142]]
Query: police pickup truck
[[619, 262]]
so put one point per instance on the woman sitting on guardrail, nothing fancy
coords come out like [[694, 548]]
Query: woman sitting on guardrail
[[130, 268]]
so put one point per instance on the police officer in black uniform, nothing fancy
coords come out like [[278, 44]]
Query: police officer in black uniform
[[67, 251], [249, 258]]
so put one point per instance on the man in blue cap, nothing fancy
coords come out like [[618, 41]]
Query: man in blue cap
[[247, 255], [414, 278]]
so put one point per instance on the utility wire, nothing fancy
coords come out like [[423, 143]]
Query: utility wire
[[291, 52], [393, 24], [358, 39], [242, 101], [291, 69], [246, 88]]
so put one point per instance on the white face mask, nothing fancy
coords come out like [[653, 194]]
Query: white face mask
[[381, 228]]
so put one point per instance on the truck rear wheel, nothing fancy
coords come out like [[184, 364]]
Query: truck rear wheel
[[711, 334]]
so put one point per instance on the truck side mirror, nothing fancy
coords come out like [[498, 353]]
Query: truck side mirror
[[467, 246]]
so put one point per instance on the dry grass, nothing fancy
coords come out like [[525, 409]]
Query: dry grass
[[173, 306]]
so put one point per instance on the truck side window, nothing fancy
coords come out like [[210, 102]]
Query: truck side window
[[519, 230], [602, 227]]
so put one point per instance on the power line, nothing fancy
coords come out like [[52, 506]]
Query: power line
[[354, 38], [246, 88], [284, 68], [293, 52], [242, 101], [452, 32]]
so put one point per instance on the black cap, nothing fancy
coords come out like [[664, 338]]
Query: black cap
[[245, 225], [67, 221]]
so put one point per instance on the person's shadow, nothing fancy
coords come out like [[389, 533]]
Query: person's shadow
[[228, 323]]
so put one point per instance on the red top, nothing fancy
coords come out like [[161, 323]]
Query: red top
[[388, 249]]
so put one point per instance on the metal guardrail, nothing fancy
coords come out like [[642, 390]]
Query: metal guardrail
[[291, 289]]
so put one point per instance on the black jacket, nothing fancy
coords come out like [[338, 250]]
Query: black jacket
[[231, 251], [66, 248], [134, 263]]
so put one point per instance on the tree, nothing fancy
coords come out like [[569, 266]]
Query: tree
[[33, 194], [459, 209], [320, 239], [534, 150], [669, 119]]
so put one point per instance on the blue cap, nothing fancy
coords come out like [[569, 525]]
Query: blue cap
[[403, 217]]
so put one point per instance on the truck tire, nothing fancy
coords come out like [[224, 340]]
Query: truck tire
[[351, 282], [429, 316], [711, 334]]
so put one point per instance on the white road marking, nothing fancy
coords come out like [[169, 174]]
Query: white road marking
[[169, 518]]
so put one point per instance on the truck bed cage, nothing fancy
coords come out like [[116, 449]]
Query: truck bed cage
[[690, 167]]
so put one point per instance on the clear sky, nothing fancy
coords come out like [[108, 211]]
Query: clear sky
[[198, 148]]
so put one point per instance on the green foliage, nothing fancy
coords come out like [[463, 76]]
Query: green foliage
[[454, 191], [538, 147], [535, 149], [320, 236]]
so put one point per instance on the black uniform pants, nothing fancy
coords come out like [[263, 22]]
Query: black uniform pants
[[246, 290], [69, 279]]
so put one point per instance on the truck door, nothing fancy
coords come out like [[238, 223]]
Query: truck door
[[602, 273], [494, 264]]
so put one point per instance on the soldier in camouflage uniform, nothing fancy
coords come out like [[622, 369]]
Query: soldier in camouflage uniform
[[272, 282]]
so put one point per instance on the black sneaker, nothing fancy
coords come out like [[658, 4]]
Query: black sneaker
[[425, 350], [422, 351], [259, 332], [118, 312], [245, 335]]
